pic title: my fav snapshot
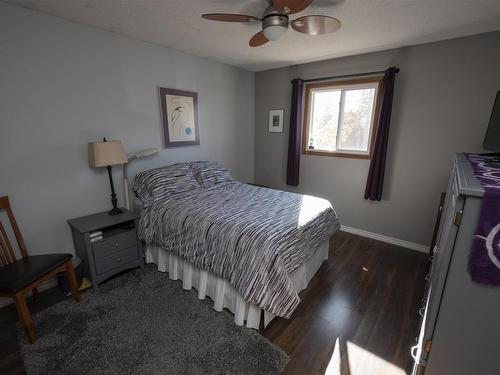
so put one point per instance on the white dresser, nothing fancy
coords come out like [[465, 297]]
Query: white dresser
[[460, 319]]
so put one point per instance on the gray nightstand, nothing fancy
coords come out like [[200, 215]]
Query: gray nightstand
[[118, 250]]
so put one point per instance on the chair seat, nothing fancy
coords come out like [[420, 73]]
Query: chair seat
[[17, 275]]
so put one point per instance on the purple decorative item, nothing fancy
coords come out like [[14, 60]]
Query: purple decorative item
[[484, 261]]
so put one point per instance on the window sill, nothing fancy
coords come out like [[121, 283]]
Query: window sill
[[336, 154]]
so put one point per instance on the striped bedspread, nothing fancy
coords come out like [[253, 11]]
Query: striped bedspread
[[252, 236]]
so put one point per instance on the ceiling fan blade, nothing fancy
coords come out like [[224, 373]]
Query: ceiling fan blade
[[228, 17], [291, 6], [258, 40], [316, 25]]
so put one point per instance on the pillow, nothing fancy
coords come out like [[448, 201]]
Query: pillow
[[161, 182], [209, 173]]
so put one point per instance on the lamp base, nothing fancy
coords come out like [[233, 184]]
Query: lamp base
[[115, 211], [114, 201]]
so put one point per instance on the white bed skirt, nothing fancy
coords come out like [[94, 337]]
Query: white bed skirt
[[220, 291]]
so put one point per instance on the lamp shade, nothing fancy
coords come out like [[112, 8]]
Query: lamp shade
[[102, 154]]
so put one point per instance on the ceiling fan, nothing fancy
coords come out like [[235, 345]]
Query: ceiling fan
[[275, 21]]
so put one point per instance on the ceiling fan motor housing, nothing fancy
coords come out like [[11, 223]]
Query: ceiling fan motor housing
[[274, 25]]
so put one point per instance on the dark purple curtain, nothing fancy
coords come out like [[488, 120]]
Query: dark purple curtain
[[375, 181], [295, 139]]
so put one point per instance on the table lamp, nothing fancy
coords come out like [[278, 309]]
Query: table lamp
[[106, 154]]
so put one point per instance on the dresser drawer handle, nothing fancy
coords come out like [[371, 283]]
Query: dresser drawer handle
[[421, 311], [119, 260], [117, 244], [414, 352]]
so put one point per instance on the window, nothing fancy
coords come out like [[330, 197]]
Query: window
[[340, 117]]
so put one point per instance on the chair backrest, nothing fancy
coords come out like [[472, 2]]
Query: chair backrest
[[7, 254]]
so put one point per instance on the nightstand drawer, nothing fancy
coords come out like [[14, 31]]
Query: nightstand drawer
[[116, 260], [115, 243]]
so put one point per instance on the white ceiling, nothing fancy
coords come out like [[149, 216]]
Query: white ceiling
[[367, 25]]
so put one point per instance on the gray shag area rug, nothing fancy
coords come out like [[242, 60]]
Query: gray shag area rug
[[141, 322]]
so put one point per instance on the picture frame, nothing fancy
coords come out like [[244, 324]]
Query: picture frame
[[276, 120], [179, 114]]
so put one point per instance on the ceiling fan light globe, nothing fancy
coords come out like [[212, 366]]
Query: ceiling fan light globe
[[274, 32]]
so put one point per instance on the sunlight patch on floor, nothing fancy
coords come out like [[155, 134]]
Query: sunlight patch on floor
[[333, 367], [360, 362]]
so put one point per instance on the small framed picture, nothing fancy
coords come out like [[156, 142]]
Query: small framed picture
[[179, 113], [276, 121]]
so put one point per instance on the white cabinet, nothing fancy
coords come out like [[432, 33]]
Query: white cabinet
[[460, 328]]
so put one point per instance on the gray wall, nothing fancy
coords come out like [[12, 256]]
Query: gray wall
[[63, 85], [443, 99]]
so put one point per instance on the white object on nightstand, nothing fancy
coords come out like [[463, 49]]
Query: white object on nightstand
[[138, 155]]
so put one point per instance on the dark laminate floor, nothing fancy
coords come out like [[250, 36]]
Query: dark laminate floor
[[10, 357], [358, 315]]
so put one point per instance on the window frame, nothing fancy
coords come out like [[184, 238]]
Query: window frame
[[309, 88]]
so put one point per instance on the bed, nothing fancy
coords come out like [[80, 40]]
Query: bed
[[250, 249]]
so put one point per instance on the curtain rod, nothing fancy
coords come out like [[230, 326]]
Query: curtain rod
[[346, 76]]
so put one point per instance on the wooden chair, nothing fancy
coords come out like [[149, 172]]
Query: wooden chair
[[19, 276]]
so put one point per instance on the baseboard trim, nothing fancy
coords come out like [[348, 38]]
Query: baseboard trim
[[49, 284], [381, 237]]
